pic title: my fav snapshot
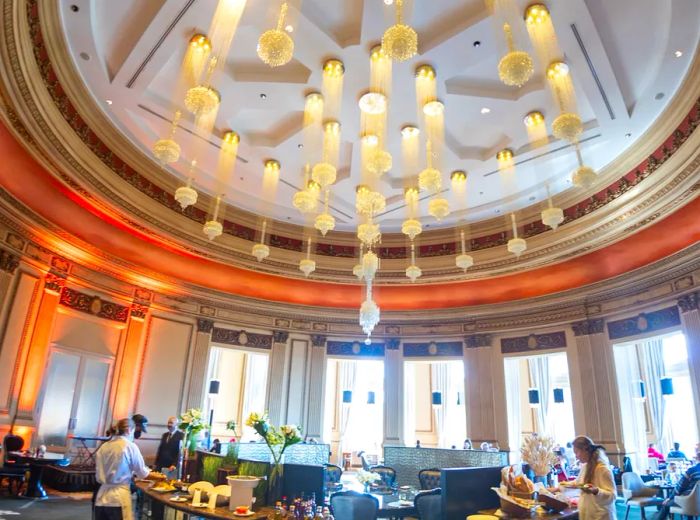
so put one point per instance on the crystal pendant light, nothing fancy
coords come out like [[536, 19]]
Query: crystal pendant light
[[213, 228], [166, 150], [411, 227], [357, 270], [370, 265], [276, 47], [306, 199], [186, 195], [430, 179], [368, 202], [379, 161], [203, 99], [261, 250], [325, 222], [583, 176], [306, 265], [369, 233], [413, 272], [464, 261], [369, 314], [568, 125], [439, 208], [552, 216], [516, 67], [400, 41], [516, 245], [325, 173]]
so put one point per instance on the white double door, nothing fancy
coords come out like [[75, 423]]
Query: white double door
[[73, 398]]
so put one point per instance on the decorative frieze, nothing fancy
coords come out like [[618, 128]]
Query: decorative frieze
[[433, 349], [94, 305], [477, 340], [60, 264], [54, 283], [548, 341], [138, 312], [205, 326], [242, 338], [688, 302], [354, 348], [644, 323], [8, 262], [588, 327]]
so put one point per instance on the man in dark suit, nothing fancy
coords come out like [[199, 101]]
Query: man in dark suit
[[169, 447]]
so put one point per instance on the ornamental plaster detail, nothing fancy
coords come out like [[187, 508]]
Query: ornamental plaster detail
[[588, 327], [645, 168]]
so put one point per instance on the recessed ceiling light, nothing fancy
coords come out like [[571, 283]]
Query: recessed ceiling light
[[85, 56], [388, 2], [263, 95], [108, 101], [241, 178], [659, 96], [532, 198], [74, 8], [300, 146], [481, 193], [485, 110], [477, 43], [498, 211], [678, 54], [289, 29], [628, 134]]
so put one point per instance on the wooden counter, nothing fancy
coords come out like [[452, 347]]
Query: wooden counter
[[186, 507]]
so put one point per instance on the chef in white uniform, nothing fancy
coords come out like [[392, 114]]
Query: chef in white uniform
[[117, 461]]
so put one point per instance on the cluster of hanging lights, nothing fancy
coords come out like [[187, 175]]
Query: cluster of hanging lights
[[322, 132]]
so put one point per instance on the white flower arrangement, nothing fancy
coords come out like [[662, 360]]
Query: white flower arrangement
[[538, 452], [367, 477]]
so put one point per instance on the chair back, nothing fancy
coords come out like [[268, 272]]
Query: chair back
[[689, 504], [626, 464], [429, 478], [632, 484], [388, 475], [332, 475], [11, 442], [429, 504], [350, 505]]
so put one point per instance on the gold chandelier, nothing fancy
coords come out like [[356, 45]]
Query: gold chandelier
[[276, 47], [400, 41]]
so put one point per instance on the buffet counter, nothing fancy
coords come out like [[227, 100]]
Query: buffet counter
[[160, 503]]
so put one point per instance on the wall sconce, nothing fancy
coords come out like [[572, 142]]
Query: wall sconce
[[437, 399], [370, 397], [559, 395], [347, 396], [666, 386], [533, 397]]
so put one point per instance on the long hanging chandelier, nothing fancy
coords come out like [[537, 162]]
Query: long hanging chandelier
[[400, 41], [276, 47]]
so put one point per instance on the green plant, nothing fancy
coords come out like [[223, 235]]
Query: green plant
[[210, 469], [231, 457], [256, 469]]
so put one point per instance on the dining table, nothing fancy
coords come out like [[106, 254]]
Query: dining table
[[663, 487], [566, 514], [37, 463]]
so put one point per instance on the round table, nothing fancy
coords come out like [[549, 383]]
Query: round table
[[36, 469]]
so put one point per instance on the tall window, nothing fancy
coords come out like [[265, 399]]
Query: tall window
[[538, 399], [650, 414], [243, 377], [354, 406], [434, 407]]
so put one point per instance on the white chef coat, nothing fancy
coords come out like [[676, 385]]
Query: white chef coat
[[116, 461], [602, 505]]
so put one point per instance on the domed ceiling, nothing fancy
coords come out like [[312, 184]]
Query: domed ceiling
[[110, 69]]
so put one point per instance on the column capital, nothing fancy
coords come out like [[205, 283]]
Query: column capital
[[318, 340], [8, 262], [393, 343], [54, 283], [138, 312], [205, 326], [689, 302], [588, 327], [280, 336], [477, 340]]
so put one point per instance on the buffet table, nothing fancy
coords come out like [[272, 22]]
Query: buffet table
[[163, 500], [567, 514]]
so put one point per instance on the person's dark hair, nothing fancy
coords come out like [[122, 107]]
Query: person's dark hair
[[676, 446], [597, 456], [568, 445], [651, 444]]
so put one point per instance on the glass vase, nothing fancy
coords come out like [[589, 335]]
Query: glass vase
[[275, 483]]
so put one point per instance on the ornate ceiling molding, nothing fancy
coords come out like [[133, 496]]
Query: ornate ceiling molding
[[87, 164]]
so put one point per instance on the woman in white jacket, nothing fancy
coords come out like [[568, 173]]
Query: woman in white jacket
[[598, 494]]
